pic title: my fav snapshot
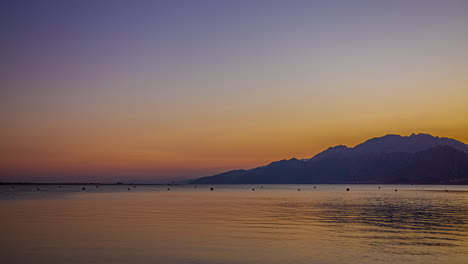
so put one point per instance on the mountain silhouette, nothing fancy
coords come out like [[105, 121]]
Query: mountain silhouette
[[412, 144], [419, 159]]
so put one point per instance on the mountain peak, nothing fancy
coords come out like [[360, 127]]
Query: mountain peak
[[332, 151], [411, 144]]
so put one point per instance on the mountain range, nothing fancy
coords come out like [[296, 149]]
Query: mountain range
[[391, 159]]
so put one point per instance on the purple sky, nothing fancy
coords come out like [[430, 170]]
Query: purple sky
[[145, 90]]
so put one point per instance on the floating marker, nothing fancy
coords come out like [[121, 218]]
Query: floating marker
[[347, 189], [211, 189], [83, 188], [298, 189]]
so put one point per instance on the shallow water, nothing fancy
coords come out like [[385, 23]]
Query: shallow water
[[233, 224]]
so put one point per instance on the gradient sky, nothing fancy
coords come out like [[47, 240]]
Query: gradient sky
[[148, 90]]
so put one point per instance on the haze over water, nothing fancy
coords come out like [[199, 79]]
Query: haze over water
[[233, 224]]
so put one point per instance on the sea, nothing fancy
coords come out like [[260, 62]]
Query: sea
[[234, 224]]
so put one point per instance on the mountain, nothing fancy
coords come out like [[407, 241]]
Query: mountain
[[418, 158], [412, 144]]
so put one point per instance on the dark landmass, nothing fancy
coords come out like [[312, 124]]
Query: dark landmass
[[392, 159], [84, 184]]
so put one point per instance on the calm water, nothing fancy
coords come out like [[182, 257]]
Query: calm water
[[233, 224]]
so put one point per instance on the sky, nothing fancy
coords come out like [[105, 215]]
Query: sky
[[145, 91]]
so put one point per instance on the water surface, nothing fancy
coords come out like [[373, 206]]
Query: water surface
[[234, 224]]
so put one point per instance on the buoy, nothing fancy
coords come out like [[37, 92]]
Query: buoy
[[396, 190], [168, 189], [347, 189], [253, 189], [379, 187], [446, 190], [38, 189], [315, 187], [83, 188], [298, 189], [195, 186], [211, 189], [129, 189], [97, 186]]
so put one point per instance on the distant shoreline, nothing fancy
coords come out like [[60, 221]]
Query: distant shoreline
[[77, 183], [206, 184]]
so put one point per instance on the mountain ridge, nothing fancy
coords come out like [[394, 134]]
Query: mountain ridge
[[387, 159]]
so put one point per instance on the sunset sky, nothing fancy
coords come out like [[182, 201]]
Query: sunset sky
[[141, 91]]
